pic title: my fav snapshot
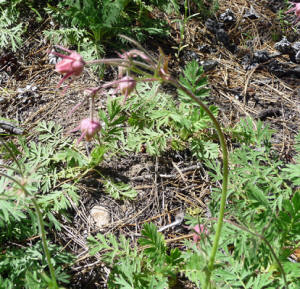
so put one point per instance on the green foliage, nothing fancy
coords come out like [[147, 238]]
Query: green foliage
[[234, 277], [22, 267], [41, 162], [98, 22], [22, 261], [207, 8], [113, 122], [41, 159], [265, 208], [156, 247], [10, 31], [152, 119], [193, 80], [13, 12], [158, 123], [195, 261], [150, 267], [265, 231], [8, 211], [119, 190], [65, 36], [249, 133]]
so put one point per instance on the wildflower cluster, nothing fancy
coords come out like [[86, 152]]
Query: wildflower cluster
[[130, 64], [72, 65]]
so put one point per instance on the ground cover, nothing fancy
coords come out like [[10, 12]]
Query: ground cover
[[158, 160]]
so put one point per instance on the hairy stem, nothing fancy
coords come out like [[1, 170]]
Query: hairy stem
[[222, 140]]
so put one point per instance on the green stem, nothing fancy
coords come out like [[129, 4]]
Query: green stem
[[44, 241], [222, 140], [41, 227]]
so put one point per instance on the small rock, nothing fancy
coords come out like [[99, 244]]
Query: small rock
[[260, 56], [296, 46], [283, 46], [10, 127], [212, 25], [297, 57], [100, 216], [204, 48], [228, 17], [209, 65], [277, 68], [251, 14], [223, 37], [190, 55]]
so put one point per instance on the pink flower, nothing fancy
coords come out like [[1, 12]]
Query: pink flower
[[70, 65], [126, 86], [88, 129], [199, 229], [297, 11]]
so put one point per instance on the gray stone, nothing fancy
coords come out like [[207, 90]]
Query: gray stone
[[228, 17], [283, 46]]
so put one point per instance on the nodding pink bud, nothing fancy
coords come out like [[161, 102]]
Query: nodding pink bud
[[297, 11], [199, 229], [88, 129], [70, 65], [126, 86]]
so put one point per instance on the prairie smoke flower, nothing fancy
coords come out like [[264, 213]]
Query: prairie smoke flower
[[199, 229], [296, 8], [126, 86], [70, 65], [88, 128]]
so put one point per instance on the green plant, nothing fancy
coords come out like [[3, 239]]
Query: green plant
[[264, 206], [261, 231], [154, 266], [27, 186], [10, 31], [262, 215], [156, 121], [204, 10], [159, 72], [22, 186], [182, 25], [24, 267], [98, 22], [13, 20]]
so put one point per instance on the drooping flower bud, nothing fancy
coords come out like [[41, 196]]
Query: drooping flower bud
[[126, 85], [70, 65], [88, 129], [296, 8]]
